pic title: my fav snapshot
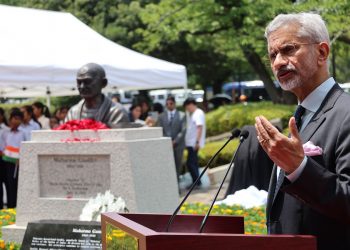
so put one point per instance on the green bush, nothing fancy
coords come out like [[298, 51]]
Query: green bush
[[211, 148], [227, 117]]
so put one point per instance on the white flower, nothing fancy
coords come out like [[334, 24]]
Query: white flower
[[101, 204]]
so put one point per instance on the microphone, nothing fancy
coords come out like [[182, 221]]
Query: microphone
[[244, 134], [234, 133]]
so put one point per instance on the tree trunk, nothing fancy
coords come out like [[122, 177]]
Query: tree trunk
[[277, 95]]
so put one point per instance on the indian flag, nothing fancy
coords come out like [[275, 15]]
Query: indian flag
[[11, 154]]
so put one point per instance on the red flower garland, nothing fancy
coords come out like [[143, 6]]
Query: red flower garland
[[81, 125]]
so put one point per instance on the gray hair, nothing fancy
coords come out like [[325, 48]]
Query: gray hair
[[312, 26]]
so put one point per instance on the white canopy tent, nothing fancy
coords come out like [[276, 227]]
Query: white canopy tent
[[41, 51]]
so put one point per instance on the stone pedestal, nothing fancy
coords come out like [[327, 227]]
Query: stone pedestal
[[61, 170]]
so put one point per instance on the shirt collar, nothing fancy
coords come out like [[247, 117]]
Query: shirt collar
[[314, 100]]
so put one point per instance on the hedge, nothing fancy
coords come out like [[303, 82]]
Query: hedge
[[212, 147], [227, 117]]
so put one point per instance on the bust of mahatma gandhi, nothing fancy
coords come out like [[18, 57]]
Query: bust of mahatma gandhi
[[91, 79]]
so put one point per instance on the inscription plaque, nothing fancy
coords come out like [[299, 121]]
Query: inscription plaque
[[62, 235], [73, 176]]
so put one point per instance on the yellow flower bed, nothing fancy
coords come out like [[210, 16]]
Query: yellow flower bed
[[254, 218], [7, 217]]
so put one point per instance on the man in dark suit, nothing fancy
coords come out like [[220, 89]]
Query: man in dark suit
[[252, 166], [309, 193], [173, 123]]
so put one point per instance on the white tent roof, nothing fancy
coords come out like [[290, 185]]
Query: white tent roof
[[42, 49]]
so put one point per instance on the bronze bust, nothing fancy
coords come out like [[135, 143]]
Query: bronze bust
[[91, 79]]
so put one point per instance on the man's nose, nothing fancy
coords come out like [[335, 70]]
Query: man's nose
[[279, 61]]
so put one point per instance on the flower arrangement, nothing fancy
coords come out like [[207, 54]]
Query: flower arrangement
[[81, 125], [102, 203]]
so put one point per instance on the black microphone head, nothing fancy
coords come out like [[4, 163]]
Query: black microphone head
[[244, 134], [235, 133]]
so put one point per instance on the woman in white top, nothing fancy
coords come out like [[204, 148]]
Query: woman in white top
[[42, 114]]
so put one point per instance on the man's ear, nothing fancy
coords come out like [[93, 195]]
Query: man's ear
[[323, 51], [104, 82]]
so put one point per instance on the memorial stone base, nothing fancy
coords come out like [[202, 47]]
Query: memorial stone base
[[61, 170]]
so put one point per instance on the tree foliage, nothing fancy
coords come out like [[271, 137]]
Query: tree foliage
[[217, 40], [234, 29]]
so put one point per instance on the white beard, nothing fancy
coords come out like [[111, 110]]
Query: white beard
[[291, 83], [298, 80]]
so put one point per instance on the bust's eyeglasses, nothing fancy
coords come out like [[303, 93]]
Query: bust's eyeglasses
[[287, 50]]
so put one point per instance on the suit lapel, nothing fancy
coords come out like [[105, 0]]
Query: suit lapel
[[167, 117], [316, 121], [175, 116], [320, 115], [271, 191]]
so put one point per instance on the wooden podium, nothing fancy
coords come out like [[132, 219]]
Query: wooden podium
[[126, 231]]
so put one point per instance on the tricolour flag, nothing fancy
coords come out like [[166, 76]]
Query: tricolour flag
[[11, 154]]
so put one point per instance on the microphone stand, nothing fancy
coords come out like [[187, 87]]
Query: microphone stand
[[235, 133], [242, 137]]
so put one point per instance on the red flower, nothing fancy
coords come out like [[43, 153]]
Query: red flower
[[82, 124]]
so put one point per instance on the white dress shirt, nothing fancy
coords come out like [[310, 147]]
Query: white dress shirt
[[171, 114]]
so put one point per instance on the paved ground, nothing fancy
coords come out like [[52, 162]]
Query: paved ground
[[206, 195]]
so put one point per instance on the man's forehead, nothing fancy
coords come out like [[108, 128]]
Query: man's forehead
[[283, 35]]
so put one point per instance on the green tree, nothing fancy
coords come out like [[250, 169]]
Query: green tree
[[217, 40], [232, 28]]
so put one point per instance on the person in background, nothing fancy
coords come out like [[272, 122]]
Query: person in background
[[54, 122], [11, 143], [145, 108], [3, 128], [252, 166], [173, 123], [152, 118], [29, 123], [243, 99], [157, 107], [61, 114], [115, 98], [42, 114], [135, 113], [195, 135]]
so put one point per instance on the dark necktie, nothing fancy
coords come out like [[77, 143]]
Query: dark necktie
[[297, 115], [171, 117], [299, 112]]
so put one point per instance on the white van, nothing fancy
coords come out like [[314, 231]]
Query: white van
[[180, 95], [125, 96], [198, 95], [159, 95]]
